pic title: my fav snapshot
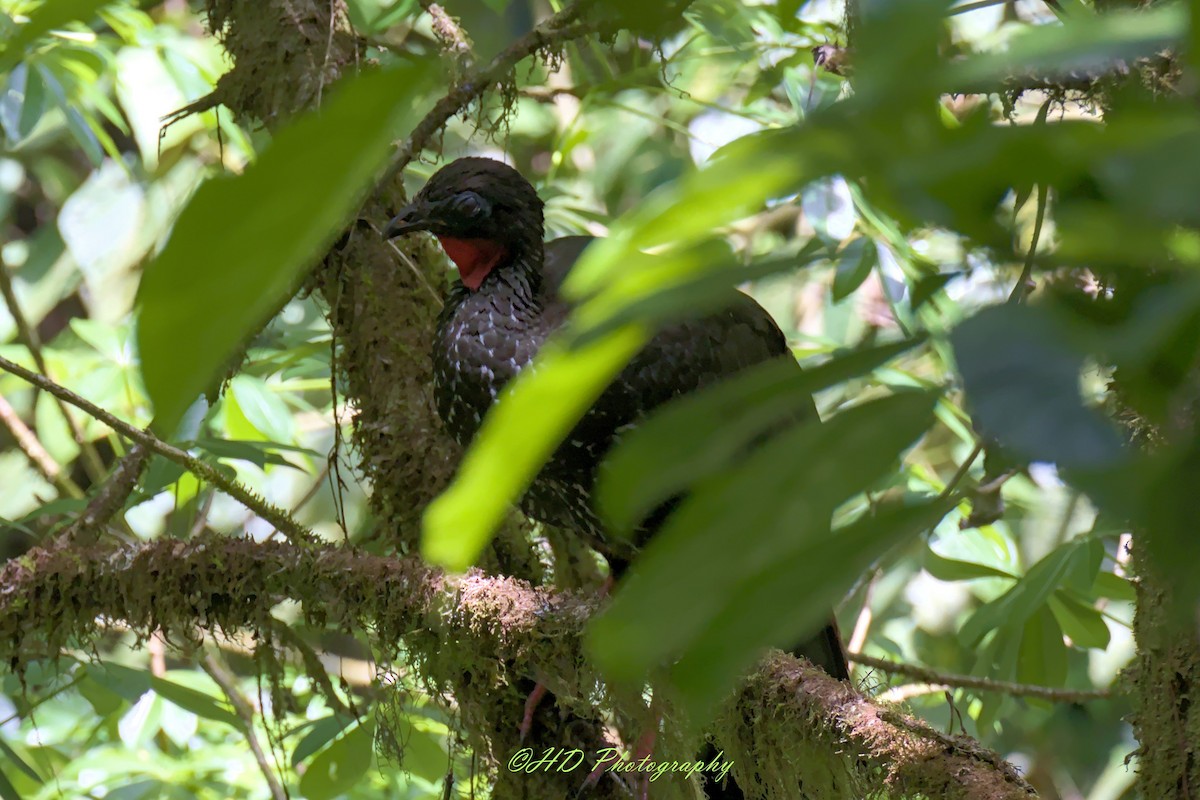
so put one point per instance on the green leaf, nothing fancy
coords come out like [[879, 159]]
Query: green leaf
[[340, 766], [423, 754], [7, 790], [930, 285], [240, 248], [858, 259], [739, 523], [952, 569], [1114, 587], [1084, 624], [262, 408], [20, 763], [1022, 380], [47, 16], [199, 703], [1090, 42], [771, 611], [126, 682], [320, 734], [663, 455], [23, 102], [1043, 655], [1026, 596]]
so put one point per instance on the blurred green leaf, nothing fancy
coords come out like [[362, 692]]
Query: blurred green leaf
[[47, 16], [197, 702], [739, 523], [1114, 587], [663, 456], [1021, 374], [1043, 655], [340, 766], [20, 763], [857, 260], [7, 790], [1090, 43], [771, 611], [322, 732], [241, 246], [1026, 597], [952, 569], [263, 408], [1084, 624]]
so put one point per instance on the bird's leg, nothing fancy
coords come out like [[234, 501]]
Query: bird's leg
[[644, 748], [531, 704], [539, 691]]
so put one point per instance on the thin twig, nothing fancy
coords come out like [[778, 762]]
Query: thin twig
[[963, 469], [32, 447], [926, 675], [559, 28], [241, 706], [863, 624], [282, 521], [28, 336], [1024, 283]]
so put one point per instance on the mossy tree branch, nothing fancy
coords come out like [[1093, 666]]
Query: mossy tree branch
[[494, 628]]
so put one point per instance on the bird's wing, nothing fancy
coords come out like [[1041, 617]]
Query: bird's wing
[[560, 256], [690, 355]]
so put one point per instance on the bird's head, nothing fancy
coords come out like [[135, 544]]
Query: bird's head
[[484, 213]]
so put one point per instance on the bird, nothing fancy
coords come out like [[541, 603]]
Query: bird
[[504, 306]]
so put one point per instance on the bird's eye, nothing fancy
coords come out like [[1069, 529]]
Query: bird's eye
[[471, 205]]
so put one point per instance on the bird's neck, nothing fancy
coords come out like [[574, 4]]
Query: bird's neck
[[518, 273]]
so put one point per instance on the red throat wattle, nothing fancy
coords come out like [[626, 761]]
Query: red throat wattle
[[475, 258]]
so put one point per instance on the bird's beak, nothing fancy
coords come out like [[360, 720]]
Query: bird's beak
[[409, 219]]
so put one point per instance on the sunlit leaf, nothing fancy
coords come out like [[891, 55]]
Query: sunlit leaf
[[243, 243], [663, 455], [341, 765], [738, 523], [772, 610]]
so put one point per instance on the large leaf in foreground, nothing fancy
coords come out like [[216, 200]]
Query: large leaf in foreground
[[739, 524], [664, 456], [791, 599], [1022, 379], [243, 243]]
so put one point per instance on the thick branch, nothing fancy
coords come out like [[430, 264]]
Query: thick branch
[[276, 516], [54, 597], [914, 758]]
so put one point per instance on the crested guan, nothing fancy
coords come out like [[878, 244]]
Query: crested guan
[[488, 219]]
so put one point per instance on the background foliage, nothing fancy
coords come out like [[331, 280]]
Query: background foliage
[[890, 229]]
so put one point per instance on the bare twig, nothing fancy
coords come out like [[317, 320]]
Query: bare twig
[[32, 448], [282, 521], [28, 336], [1025, 282], [241, 706], [862, 625], [933, 676]]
